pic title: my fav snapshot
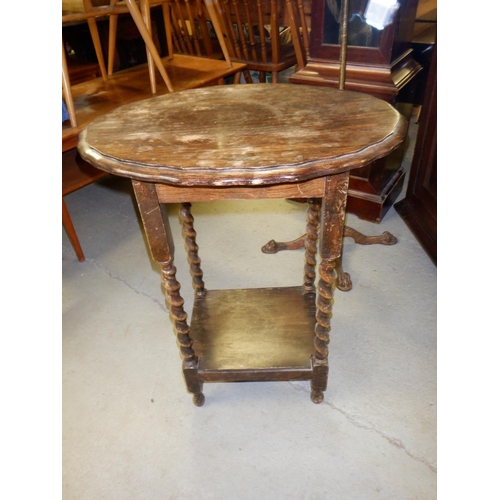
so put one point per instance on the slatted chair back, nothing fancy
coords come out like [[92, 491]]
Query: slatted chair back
[[256, 32], [192, 30], [186, 26]]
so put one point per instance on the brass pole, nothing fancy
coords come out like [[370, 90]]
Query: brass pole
[[344, 18]]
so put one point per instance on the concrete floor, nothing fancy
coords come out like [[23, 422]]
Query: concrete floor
[[131, 431]]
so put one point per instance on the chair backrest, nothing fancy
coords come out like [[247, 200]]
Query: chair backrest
[[257, 33], [192, 31]]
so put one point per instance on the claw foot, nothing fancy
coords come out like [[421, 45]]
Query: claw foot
[[343, 282], [270, 247], [388, 238]]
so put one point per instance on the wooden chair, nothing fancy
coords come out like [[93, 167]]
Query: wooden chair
[[89, 100], [74, 10], [195, 9], [77, 10], [191, 30], [185, 26], [255, 33], [74, 175]]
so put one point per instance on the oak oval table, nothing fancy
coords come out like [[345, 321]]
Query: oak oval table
[[247, 142]]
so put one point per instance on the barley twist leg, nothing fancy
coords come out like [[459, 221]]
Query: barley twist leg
[[192, 248], [324, 303], [181, 328], [311, 243]]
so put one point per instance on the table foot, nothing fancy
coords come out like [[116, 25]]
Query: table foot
[[199, 399], [193, 383], [317, 396]]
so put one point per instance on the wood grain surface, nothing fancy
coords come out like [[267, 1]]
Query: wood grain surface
[[94, 98], [243, 135], [254, 330]]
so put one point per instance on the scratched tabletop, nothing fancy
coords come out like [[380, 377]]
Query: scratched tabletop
[[248, 134]]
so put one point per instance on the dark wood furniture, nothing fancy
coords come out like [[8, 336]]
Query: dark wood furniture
[[380, 63], [419, 207], [423, 40], [380, 66], [247, 142]]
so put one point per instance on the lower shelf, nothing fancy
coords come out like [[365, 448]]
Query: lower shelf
[[262, 334]]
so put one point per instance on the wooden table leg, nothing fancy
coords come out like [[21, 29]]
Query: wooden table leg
[[161, 245], [190, 238], [311, 244], [332, 228]]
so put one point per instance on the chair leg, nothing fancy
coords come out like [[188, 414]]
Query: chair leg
[[165, 7], [68, 97], [247, 76], [146, 16], [113, 26], [70, 231], [146, 36], [94, 32], [214, 18], [237, 78]]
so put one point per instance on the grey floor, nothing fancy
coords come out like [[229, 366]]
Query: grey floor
[[130, 430]]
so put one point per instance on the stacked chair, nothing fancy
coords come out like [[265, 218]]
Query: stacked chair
[[86, 101]]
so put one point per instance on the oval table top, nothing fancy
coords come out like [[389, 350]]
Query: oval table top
[[248, 134]]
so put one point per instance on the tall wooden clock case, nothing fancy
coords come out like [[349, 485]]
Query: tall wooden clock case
[[380, 63]]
